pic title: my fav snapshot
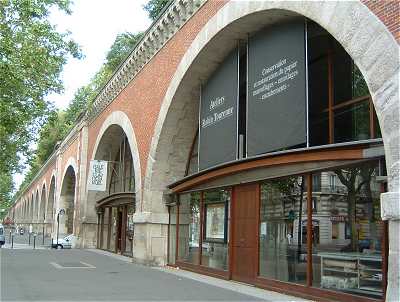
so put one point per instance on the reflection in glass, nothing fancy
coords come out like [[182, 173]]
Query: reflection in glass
[[338, 96], [172, 235], [105, 228], [129, 230], [189, 227], [348, 255], [216, 221], [113, 237], [282, 217]]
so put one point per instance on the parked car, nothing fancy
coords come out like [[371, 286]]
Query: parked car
[[2, 237], [63, 243]]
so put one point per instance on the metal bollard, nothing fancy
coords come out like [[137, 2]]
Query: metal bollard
[[12, 241], [34, 241], [9, 241], [29, 240]]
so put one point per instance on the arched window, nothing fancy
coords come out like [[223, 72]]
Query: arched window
[[121, 170]]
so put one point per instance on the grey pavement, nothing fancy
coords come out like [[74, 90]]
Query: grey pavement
[[82, 275], [24, 239]]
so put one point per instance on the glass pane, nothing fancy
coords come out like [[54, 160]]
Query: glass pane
[[114, 217], [172, 235], [105, 229], [347, 232], [189, 227], [129, 230], [283, 254], [352, 123], [318, 48], [216, 222]]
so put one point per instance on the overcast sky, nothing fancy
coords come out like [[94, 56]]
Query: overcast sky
[[94, 25]]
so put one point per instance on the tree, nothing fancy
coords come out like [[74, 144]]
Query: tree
[[121, 48], [32, 54], [154, 7], [59, 123], [355, 179]]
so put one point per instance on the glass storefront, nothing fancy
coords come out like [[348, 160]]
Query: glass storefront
[[216, 222], [189, 228], [203, 229], [283, 255], [117, 208], [347, 253], [314, 224], [339, 249]]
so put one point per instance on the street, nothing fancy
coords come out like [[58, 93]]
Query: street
[[44, 274]]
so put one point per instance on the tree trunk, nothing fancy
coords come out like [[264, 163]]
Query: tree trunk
[[351, 199]]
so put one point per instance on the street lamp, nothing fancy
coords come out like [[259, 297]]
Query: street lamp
[[60, 212]]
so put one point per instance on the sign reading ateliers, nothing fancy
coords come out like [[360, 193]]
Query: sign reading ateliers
[[218, 115]]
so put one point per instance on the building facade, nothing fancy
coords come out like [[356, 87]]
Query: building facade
[[256, 141]]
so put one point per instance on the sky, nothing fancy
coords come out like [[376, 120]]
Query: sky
[[94, 25]]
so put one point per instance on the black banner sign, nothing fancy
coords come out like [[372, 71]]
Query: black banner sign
[[276, 117], [218, 115]]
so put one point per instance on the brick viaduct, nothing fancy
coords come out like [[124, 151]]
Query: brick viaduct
[[151, 98]]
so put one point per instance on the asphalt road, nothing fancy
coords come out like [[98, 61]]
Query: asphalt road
[[30, 275]]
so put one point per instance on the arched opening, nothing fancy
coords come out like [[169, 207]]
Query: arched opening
[[323, 218], [49, 216], [31, 208], [67, 202], [42, 206], [115, 205], [42, 212]]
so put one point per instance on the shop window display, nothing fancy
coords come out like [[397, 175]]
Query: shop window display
[[282, 250], [216, 221], [189, 228], [129, 230], [348, 257]]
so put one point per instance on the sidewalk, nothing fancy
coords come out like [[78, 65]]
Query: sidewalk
[[237, 287], [24, 246]]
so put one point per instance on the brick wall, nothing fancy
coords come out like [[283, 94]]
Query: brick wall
[[141, 100], [388, 12]]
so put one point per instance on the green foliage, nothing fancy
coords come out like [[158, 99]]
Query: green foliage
[[32, 54], [154, 8], [60, 123], [6, 187], [121, 48], [56, 124]]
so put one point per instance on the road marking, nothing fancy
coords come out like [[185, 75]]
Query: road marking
[[60, 266]]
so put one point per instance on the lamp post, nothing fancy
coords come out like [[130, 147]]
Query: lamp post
[[60, 212]]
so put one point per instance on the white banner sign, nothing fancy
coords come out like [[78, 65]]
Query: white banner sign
[[97, 175]]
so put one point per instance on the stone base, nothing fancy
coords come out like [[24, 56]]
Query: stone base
[[150, 244]]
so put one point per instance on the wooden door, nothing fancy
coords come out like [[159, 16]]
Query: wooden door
[[245, 232]]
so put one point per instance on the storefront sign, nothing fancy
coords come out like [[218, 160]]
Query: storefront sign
[[218, 115], [276, 117], [338, 218], [97, 179]]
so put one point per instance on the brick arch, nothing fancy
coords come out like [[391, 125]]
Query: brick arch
[[67, 197], [366, 40], [50, 198], [42, 201], [120, 119]]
